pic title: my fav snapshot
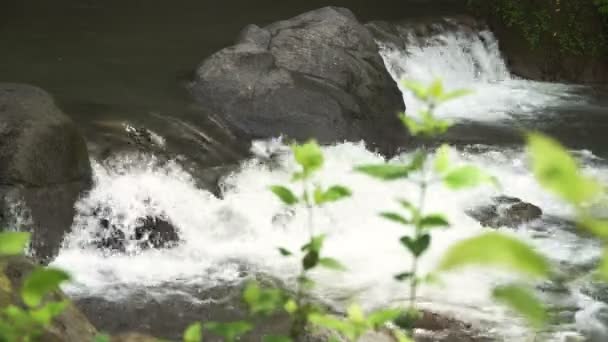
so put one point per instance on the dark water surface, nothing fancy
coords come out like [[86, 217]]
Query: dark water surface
[[113, 61]]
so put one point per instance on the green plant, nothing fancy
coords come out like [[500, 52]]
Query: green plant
[[576, 27], [27, 322], [425, 173]]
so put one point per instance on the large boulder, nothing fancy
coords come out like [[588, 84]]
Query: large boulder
[[318, 75], [44, 165]]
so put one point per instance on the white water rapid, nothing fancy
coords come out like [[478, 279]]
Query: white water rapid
[[244, 227]]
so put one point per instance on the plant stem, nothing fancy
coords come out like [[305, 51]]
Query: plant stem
[[421, 200], [298, 323]]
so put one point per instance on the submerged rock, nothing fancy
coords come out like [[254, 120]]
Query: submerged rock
[[151, 232], [44, 166], [318, 75], [505, 211]]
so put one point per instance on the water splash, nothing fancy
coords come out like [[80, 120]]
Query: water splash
[[471, 60]]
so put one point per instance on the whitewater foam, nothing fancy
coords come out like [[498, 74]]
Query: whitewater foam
[[473, 61]]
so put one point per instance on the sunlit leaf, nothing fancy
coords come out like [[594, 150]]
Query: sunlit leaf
[[355, 313], [454, 95], [291, 306], [496, 250], [418, 89], [435, 90], [524, 302], [229, 331], [194, 333], [333, 194], [411, 124], [385, 171], [13, 243], [597, 227], [309, 156], [47, 312], [557, 171], [106, 338], [41, 282], [284, 194], [332, 264], [442, 159], [395, 218], [467, 177], [261, 300], [380, 317]]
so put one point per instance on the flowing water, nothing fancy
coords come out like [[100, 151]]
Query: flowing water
[[222, 236], [229, 236]]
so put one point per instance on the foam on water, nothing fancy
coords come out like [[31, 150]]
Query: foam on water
[[243, 228], [464, 60]]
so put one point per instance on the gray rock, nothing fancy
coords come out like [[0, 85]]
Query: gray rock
[[44, 164], [505, 211], [318, 75]]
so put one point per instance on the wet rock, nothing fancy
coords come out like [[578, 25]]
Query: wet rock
[[44, 165], [151, 232], [316, 75], [505, 211], [133, 337], [69, 326]]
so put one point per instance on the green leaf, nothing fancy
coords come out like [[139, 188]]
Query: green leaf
[[417, 246], [262, 301], [496, 250], [309, 156], [523, 301], [194, 333], [395, 218], [355, 313], [333, 323], [315, 244], [417, 88], [597, 227], [229, 331], [333, 194], [48, 312], [467, 177], [417, 162], [385, 171], [603, 267], [284, 252], [310, 260], [379, 318], [454, 95], [13, 243], [404, 276], [411, 124], [41, 282], [284, 194], [290, 306], [436, 89], [332, 264], [102, 338], [557, 171], [442, 159], [433, 221], [276, 338]]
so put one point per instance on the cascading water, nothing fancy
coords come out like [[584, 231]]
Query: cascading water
[[241, 230]]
